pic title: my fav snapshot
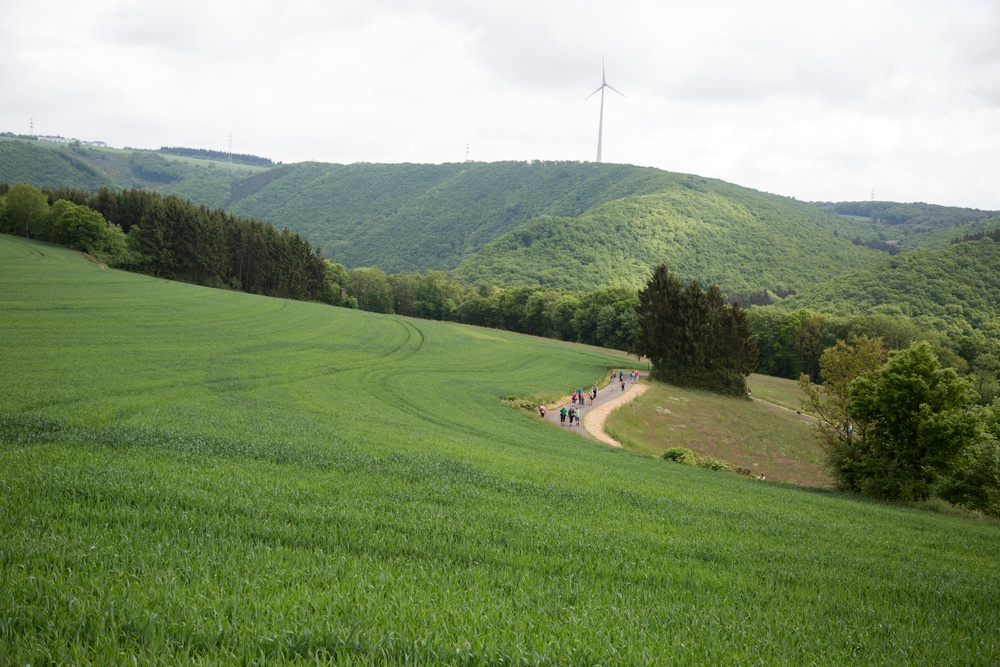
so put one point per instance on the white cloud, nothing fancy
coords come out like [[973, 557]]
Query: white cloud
[[806, 101]]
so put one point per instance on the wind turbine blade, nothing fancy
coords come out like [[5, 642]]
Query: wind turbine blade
[[617, 91], [597, 91]]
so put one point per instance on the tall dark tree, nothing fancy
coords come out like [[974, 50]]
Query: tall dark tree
[[740, 344], [657, 312], [693, 337]]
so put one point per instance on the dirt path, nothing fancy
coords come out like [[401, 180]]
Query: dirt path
[[593, 422], [794, 413], [593, 415]]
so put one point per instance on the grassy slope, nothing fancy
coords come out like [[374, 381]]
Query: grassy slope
[[957, 286], [191, 474], [741, 433]]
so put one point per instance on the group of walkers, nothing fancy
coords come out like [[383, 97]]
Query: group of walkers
[[618, 377], [578, 399], [571, 413]]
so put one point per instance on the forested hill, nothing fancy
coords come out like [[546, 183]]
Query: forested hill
[[915, 224], [410, 217], [561, 224], [566, 224], [956, 288], [709, 231], [22, 161]]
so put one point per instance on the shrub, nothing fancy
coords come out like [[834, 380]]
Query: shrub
[[680, 455], [520, 403], [977, 484], [711, 463], [687, 457]]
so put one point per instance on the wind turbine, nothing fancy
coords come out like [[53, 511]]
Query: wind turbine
[[600, 89]]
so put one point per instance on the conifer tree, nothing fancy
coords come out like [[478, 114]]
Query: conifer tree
[[692, 336]]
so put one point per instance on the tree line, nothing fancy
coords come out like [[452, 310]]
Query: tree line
[[165, 236], [222, 156], [915, 216], [604, 317], [792, 344], [993, 234]]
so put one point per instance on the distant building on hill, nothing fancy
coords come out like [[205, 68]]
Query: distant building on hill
[[64, 140]]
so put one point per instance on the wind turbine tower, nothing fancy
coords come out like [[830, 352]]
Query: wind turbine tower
[[600, 124]]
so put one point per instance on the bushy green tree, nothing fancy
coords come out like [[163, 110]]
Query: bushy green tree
[[476, 309], [840, 365], [370, 286], [914, 421], [435, 296], [804, 341], [538, 313], [27, 210], [976, 484], [336, 280], [600, 317], [85, 229], [403, 302]]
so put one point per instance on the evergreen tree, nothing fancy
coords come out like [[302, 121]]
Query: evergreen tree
[[658, 312], [692, 336]]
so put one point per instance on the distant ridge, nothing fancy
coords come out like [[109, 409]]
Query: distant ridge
[[561, 224], [952, 289], [568, 225]]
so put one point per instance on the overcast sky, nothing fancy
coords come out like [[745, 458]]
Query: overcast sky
[[817, 101]]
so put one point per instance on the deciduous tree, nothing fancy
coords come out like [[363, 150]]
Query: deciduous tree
[[840, 365], [27, 209], [914, 421]]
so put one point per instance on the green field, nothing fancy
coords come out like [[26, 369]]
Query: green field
[[190, 475]]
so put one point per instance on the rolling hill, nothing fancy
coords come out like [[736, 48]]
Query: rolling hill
[[57, 167], [194, 476], [418, 217], [915, 225], [957, 287], [569, 225], [562, 224], [53, 165], [716, 233]]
